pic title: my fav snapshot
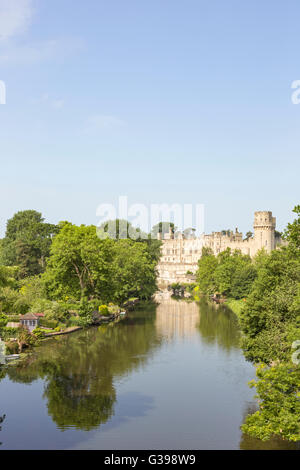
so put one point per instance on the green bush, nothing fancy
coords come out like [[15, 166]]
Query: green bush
[[47, 323], [74, 321], [13, 318], [113, 309], [85, 321], [7, 332], [103, 310], [39, 333], [3, 320], [12, 347], [12, 300]]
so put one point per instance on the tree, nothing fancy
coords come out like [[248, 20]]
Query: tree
[[8, 276], [292, 232], [189, 233], [79, 264], [270, 323], [163, 228], [278, 390], [27, 242], [234, 274], [133, 271], [120, 229], [206, 269], [242, 280]]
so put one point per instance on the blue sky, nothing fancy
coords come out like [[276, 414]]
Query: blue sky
[[163, 101]]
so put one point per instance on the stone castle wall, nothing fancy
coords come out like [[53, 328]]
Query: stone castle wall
[[180, 255]]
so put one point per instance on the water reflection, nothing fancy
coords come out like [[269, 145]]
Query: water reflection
[[81, 375], [79, 369], [218, 324], [177, 319]]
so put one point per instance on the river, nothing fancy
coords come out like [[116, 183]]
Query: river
[[170, 376]]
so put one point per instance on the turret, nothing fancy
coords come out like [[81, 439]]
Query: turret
[[264, 230]]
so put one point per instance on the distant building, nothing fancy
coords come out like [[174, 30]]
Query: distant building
[[180, 255], [30, 321]]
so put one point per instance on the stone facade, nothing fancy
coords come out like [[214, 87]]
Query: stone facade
[[180, 255]]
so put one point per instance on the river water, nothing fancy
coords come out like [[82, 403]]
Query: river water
[[170, 376]]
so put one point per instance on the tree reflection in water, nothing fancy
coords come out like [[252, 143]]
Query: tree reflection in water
[[79, 369], [218, 324]]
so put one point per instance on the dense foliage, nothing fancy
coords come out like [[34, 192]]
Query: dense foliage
[[265, 293], [230, 273], [67, 271], [27, 242]]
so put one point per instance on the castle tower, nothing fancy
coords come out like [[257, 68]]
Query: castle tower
[[264, 230]]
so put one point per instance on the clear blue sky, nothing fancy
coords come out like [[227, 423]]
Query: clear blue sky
[[162, 101]]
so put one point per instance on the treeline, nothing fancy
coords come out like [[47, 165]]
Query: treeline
[[60, 268], [267, 291]]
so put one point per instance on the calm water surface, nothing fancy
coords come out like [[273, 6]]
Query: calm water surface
[[165, 377]]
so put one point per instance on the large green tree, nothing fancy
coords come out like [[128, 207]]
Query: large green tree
[[79, 264], [133, 271], [207, 265], [27, 242]]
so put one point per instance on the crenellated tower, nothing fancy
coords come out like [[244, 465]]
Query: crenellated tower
[[264, 230]]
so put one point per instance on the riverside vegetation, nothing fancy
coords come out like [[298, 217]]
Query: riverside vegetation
[[69, 272], [264, 292]]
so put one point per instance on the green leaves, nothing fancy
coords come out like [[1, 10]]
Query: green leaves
[[82, 265], [27, 242], [279, 409], [230, 273]]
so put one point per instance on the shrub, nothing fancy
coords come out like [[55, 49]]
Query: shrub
[[7, 332], [103, 310], [113, 309], [74, 321], [3, 320], [85, 321], [12, 300], [39, 333], [12, 347], [47, 323], [13, 318]]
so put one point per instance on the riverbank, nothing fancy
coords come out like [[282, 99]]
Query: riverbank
[[12, 343]]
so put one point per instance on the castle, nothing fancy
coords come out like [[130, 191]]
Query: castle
[[180, 255]]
